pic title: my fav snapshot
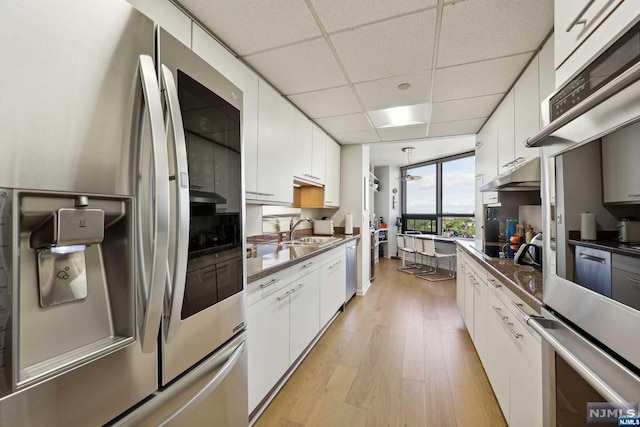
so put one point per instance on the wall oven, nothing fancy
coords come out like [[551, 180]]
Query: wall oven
[[590, 149]]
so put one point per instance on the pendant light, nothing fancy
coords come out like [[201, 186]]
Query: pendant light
[[409, 177]]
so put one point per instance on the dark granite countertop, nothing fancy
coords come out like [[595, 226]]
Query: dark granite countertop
[[281, 257], [613, 246], [522, 280]]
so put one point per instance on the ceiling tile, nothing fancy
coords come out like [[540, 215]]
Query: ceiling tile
[[483, 29], [384, 93], [346, 123], [458, 127], [477, 79], [302, 67], [360, 137], [461, 109], [399, 46], [403, 132], [338, 15], [250, 26], [327, 102], [390, 153]]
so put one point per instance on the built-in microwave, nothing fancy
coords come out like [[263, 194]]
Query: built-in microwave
[[591, 287]]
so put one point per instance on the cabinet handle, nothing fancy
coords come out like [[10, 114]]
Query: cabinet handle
[[510, 327], [335, 265], [493, 198], [297, 288], [498, 312], [271, 282], [259, 194], [577, 20], [507, 164], [593, 258], [328, 202], [495, 285], [285, 295], [633, 195], [309, 264], [520, 309], [636, 281]]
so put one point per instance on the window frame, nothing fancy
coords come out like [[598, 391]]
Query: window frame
[[438, 216]]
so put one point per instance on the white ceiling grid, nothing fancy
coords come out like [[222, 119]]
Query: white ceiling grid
[[338, 60]]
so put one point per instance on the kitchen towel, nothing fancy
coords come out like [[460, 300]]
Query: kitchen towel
[[348, 224], [588, 226]]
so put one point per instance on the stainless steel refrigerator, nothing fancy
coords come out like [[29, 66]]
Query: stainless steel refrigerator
[[121, 223]]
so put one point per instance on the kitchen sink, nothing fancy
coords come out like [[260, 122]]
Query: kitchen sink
[[312, 241]]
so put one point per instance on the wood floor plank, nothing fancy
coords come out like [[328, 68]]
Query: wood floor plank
[[331, 409], [403, 327], [412, 404]]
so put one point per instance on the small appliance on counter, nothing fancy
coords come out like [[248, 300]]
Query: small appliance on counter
[[530, 253], [323, 227], [629, 230]]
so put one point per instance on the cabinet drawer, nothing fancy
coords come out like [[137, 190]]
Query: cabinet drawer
[[264, 287], [516, 307]]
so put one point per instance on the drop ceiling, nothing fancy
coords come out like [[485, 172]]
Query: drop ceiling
[[340, 62]]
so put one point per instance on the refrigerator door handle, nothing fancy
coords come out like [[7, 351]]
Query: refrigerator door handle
[[176, 282], [152, 288]]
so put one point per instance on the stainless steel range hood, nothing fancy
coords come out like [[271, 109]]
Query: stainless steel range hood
[[525, 177]]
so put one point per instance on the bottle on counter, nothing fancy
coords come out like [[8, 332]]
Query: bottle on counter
[[529, 234]]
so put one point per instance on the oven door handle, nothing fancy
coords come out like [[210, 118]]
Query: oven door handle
[[626, 380], [176, 280]]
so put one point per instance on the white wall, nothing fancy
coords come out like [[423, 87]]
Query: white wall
[[168, 16]]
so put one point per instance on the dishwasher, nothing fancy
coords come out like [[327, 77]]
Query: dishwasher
[[351, 270], [593, 270]]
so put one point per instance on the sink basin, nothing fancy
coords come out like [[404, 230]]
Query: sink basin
[[313, 241]]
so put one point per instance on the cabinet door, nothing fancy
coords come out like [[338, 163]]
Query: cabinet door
[[275, 145], [620, 171], [498, 352], [526, 111], [460, 283], [469, 293], [303, 147], [268, 343], [480, 319], [305, 313], [525, 374], [504, 121], [546, 75], [333, 288], [332, 175], [487, 158], [318, 155]]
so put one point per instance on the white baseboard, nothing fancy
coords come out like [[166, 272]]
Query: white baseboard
[[364, 291]]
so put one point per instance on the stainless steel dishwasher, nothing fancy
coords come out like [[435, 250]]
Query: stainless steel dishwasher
[[351, 269], [593, 270]]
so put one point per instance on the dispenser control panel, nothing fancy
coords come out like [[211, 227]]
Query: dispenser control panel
[[6, 255]]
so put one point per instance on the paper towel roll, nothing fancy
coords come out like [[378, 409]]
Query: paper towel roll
[[348, 224], [588, 226]]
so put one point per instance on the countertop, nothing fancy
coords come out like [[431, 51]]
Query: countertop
[[283, 257], [522, 280], [610, 246]]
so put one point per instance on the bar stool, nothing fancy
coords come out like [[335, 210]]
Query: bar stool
[[425, 247], [406, 245], [429, 250]]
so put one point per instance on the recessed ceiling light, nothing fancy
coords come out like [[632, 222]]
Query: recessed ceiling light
[[404, 86], [400, 116]]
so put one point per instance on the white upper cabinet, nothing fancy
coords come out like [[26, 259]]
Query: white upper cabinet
[[527, 110], [332, 168], [583, 28], [546, 74], [275, 145], [487, 158], [303, 147], [318, 155], [505, 123]]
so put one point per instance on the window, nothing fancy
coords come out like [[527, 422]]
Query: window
[[443, 200]]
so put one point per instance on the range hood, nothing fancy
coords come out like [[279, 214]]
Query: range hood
[[525, 177]]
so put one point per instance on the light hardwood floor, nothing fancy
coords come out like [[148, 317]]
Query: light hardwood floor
[[399, 356]]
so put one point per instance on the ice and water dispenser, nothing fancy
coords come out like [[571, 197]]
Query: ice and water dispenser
[[67, 293]]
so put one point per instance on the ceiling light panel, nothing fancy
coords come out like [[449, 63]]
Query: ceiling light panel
[[484, 29], [480, 78], [400, 116], [340, 15], [398, 46], [384, 93], [303, 67], [327, 102], [250, 26], [462, 109], [458, 127], [346, 123]]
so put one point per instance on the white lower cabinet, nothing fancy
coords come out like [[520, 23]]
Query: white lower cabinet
[[305, 313], [268, 343], [284, 316], [509, 351]]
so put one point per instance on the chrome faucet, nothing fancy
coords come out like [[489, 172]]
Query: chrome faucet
[[292, 225]]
